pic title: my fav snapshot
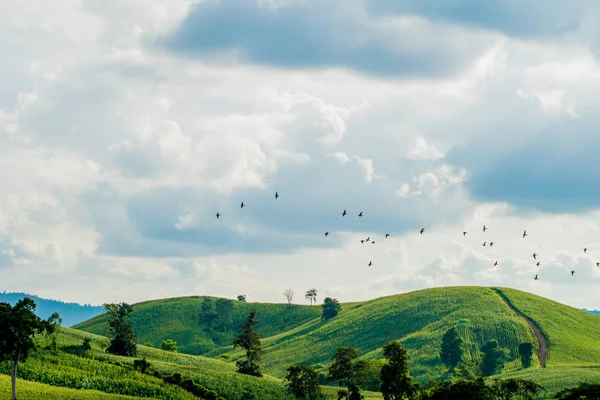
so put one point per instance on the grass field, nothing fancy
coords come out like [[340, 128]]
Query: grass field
[[297, 335]]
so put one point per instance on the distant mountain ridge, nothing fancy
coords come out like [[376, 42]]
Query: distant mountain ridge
[[595, 312], [71, 313]]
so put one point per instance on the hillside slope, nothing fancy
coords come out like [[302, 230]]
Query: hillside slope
[[71, 313], [180, 319]]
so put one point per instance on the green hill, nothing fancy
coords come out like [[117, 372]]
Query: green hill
[[419, 319], [65, 373]]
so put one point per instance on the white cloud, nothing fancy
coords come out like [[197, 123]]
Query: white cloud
[[115, 157]]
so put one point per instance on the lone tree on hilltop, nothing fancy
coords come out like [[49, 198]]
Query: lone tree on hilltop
[[289, 295], [526, 354], [123, 342], [242, 297], [303, 382], [346, 368], [331, 308], [249, 340], [311, 295], [452, 348], [494, 358], [18, 326], [396, 382]]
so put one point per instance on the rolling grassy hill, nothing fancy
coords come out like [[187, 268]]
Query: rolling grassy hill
[[419, 319], [66, 374]]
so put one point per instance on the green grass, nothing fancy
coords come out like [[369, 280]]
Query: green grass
[[179, 319], [27, 390], [112, 374], [573, 335], [555, 378], [418, 319]]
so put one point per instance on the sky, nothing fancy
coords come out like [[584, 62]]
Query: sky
[[126, 126]]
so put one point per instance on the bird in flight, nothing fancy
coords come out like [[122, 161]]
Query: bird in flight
[[372, 241], [344, 213], [484, 244], [598, 264], [387, 234], [534, 256], [362, 241], [585, 250], [369, 238], [242, 205], [326, 233], [572, 273], [491, 244], [496, 263], [464, 233], [218, 215], [360, 215], [422, 230], [276, 195], [524, 233], [484, 228], [538, 263], [370, 263], [536, 277]]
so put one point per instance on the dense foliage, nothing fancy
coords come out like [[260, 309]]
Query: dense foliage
[[303, 382], [452, 348], [396, 382], [331, 308], [123, 340], [526, 354]]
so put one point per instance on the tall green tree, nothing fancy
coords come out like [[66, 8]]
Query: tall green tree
[[311, 295], [396, 382], [124, 341], [494, 358], [18, 326], [526, 354], [242, 297], [303, 382], [249, 340], [331, 308], [224, 310], [207, 313], [346, 368], [452, 350]]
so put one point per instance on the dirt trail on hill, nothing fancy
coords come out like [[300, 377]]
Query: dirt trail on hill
[[542, 352]]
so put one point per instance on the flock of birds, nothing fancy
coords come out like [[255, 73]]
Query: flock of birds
[[485, 243]]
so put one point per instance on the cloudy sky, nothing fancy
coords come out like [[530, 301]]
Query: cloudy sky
[[125, 126]]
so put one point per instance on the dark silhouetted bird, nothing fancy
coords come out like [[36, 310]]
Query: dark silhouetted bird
[[326, 233], [484, 228], [585, 250], [362, 241], [360, 215], [242, 205], [276, 195], [387, 234], [422, 230], [372, 241], [464, 233], [534, 256], [218, 215], [524, 233], [538, 263], [369, 238], [344, 213], [484, 244], [572, 273], [598, 264], [370, 263], [496, 263], [536, 278], [491, 244]]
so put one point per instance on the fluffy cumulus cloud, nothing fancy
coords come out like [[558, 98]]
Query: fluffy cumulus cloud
[[125, 129]]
